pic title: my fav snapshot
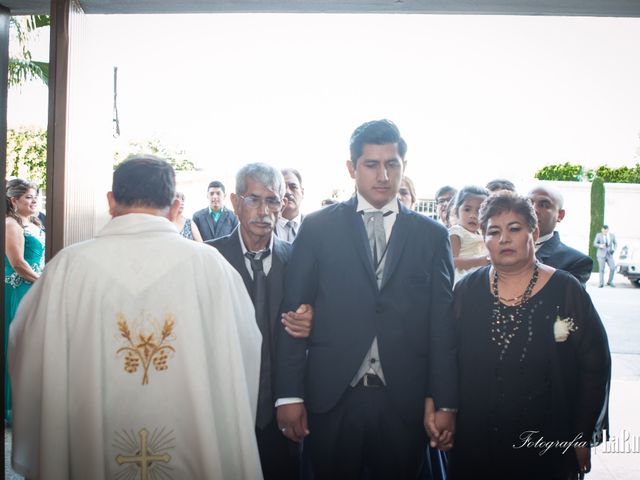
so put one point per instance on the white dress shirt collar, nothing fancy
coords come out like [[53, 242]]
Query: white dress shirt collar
[[543, 239], [266, 262], [282, 222], [363, 205], [389, 220]]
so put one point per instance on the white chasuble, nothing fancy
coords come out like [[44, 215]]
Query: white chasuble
[[136, 355]]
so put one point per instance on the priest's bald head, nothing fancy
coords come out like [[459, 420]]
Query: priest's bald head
[[143, 184]]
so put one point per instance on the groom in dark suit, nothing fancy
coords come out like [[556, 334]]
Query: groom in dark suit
[[261, 260], [380, 364]]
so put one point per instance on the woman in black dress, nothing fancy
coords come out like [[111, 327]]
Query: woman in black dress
[[534, 360]]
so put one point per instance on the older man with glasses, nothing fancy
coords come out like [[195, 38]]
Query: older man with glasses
[[261, 260]]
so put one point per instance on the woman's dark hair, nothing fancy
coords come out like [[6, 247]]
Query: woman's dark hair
[[16, 188], [507, 201], [466, 192], [145, 181], [501, 184]]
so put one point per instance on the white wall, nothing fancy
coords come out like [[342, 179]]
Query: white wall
[[621, 212]]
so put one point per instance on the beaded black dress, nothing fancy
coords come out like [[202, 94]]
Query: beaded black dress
[[517, 396]]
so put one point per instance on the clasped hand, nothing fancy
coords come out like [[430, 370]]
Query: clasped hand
[[298, 324], [440, 426], [292, 421]]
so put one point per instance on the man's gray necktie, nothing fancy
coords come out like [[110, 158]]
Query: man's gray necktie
[[374, 224], [291, 231]]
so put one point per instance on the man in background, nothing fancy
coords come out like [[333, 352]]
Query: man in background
[[215, 220], [549, 207], [289, 223], [444, 196], [605, 243]]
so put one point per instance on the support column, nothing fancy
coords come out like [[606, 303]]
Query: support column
[[78, 163], [4, 72], [57, 128]]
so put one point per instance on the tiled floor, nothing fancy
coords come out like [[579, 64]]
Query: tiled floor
[[8, 473]]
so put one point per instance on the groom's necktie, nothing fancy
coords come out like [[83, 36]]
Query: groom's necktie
[[374, 224]]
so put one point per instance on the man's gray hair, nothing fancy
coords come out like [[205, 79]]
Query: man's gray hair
[[261, 173]]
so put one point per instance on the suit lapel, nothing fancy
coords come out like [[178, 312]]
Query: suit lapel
[[355, 227], [236, 258], [219, 225], [275, 283], [398, 237], [547, 248], [211, 223]]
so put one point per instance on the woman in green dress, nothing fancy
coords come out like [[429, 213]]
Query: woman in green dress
[[24, 257]]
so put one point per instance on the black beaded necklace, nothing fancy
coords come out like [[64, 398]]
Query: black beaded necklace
[[504, 326]]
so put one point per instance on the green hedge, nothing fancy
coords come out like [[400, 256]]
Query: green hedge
[[565, 171], [619, 175], [577, 173]]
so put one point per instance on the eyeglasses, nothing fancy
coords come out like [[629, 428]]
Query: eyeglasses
[[404, 192], [274, 204]]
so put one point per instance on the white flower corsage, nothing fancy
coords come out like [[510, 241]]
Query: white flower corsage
[[562, 327]]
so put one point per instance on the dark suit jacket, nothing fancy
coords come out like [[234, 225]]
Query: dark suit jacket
[[411, 314], [211, 230], [558, 255], [231, 250]]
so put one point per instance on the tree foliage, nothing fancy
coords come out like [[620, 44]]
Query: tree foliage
[[27, 154], [177, 158], [619, 175], [577, 173], [565, 171], [22, 67]]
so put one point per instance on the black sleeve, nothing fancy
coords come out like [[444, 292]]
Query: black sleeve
[[300, 287], [582, 268], [593, 360], [443, 364]]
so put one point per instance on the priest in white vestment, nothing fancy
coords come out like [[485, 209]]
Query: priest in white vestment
[[136, 355]]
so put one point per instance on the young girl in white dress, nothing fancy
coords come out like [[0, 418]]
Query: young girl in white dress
[[467, 244]]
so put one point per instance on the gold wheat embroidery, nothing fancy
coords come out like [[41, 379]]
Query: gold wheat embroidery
[[144, 347]]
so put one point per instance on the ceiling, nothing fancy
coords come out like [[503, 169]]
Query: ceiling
[[603, 8]]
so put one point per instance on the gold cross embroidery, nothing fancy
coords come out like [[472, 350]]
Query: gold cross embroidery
[[144, 456]]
